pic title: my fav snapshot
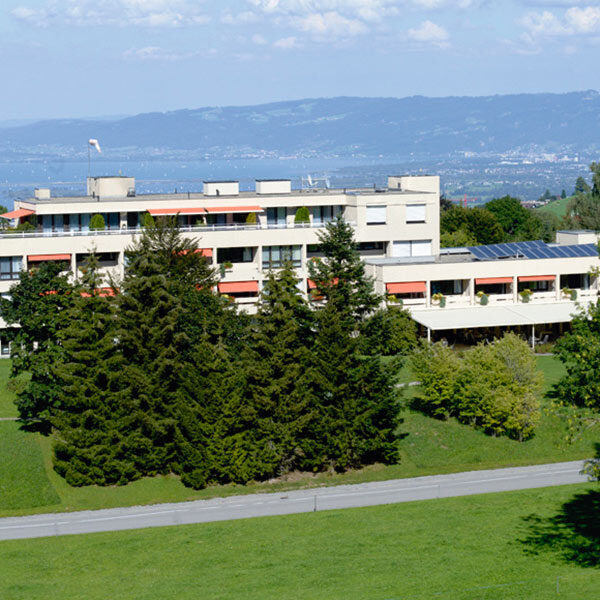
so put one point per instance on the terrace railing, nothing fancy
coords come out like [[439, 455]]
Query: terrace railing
[[8, 234]]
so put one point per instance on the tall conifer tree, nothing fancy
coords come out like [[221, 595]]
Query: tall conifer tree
[[164, 268], [356, 399], [89, 447], [277, 392]]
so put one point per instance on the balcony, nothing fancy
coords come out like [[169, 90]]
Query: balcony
[[186, 229]]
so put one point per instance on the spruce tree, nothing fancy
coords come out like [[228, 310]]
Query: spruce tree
[[38, 308], [157, 326], [342, 271], [356, 406], [277, 393], [88, 446]]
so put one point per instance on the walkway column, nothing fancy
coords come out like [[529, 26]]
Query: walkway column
[[515, 289], [428, 335], [557, 288], [74, 266], [471, 291]]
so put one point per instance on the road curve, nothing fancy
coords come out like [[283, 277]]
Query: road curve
[[297, 501]]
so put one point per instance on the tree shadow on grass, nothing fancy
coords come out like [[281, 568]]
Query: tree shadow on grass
[[573, 533]]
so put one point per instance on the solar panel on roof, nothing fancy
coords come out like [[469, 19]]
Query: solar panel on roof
[[534, 249]]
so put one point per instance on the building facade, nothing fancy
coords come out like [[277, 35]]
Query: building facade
[[244, 234]]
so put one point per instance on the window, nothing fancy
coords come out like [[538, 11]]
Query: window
[[371, 246], [325, 214], [314, 250], [133, 220], [10, 267], [105, 259], [112, 220], [411, 248], [277, 216], [235, 255], [376, 215], [415, 213], [275, 256], [450, 287], [53, 223], [421, 248]]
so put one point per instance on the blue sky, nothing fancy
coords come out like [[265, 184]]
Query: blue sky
[[75, 58]]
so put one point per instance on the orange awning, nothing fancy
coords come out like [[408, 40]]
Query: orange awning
[[157, 212], [537, 278], [238, 286], [221, 210], [101, 292], [41, 257], [406, 287], [204, 251], [312, 285], [491, 280], [18, 214]]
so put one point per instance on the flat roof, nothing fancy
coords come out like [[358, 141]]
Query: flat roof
[[496, 316], [211, 198]]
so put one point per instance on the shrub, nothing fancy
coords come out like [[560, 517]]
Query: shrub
[[436, 367], [302, 215], [483, 299], [251, 219], [493, 387], [97, 223]]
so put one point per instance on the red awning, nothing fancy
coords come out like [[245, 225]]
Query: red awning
[[221, 210], [406, 287], [101, 292], [238, 286], [41, 257], [312, 285], [18, 214], [491, 280], [538, 278], [176, 211]]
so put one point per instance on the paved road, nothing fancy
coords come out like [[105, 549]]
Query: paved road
[[298, 501]]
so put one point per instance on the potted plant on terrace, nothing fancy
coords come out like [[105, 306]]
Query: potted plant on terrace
[[569, 293], [483, 298], [439, 298], [526, 295]]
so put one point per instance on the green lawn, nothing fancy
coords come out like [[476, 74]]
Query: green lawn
[[7, 406], [556, 207], [455, 548], [429, 447], [23, 478]]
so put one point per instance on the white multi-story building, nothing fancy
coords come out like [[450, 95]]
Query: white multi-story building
[[247, 233]]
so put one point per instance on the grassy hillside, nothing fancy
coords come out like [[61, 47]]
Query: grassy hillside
[[453, 548], [428, 447], [556, 207]]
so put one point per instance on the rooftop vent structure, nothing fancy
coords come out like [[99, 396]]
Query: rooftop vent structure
[[221, 188], [273, 186]]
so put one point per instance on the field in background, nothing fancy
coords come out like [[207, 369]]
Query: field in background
[[428, 447], [453, 548], [556, 207]]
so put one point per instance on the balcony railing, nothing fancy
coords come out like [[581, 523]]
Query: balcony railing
[[184, 228]]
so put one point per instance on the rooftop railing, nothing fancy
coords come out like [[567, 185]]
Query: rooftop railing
[[6, 234]]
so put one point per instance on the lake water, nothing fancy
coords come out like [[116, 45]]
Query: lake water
[[18, 179]]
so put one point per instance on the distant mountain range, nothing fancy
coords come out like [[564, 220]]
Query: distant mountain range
[[345, 126]]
